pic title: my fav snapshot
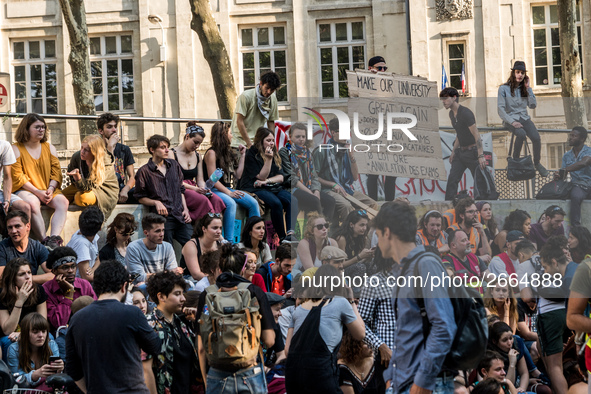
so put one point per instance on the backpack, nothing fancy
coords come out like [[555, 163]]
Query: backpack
[[469, 344], [230, 326], [484, 185]]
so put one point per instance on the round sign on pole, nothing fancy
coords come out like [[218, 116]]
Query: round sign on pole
[[4, 92]]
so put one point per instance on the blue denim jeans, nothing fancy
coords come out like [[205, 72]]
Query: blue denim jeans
[[442, 386], [247, 202], [251, 381]]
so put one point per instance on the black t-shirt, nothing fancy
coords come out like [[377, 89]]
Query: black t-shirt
[[372, 384], [253, 163], [103, 346], [36, 254], [123, 158], [183, 357], [462, 123], [41, 298]]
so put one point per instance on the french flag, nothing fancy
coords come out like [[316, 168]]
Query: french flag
[[443, 77], [463, 80]]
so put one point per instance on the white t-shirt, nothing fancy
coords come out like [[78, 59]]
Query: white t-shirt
[[86, 250], [7, 157], [497, 266]]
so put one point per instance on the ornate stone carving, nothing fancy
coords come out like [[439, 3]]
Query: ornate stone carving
[[454, 9]]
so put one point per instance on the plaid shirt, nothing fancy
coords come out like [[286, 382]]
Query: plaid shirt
[[377, 311]]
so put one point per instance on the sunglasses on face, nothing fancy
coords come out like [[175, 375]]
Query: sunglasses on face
[[214, 215], [381, 68], [321, 226]]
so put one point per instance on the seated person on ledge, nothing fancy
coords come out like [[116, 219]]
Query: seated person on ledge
[[159, 186], [93, 177]]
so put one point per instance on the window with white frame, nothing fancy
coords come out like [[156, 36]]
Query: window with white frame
[[457, 56], [546, 44], [35, 78], [111, 64], [555, 153], [264, 49], [341, 47]]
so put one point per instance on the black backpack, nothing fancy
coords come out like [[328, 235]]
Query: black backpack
[[484, 185], [471, 339]]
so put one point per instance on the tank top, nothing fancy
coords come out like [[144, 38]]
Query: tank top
[[228, 172], [190, 174]]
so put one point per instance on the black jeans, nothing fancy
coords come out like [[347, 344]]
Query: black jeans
[[462, 159], [529, 129], [173, 229], [308, 202], [389, 187]]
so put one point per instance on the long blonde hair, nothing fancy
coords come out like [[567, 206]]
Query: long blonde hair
[[97, 148], [489, 303]]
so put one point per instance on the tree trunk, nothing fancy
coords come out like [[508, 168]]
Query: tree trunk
[[214, 51], [75, 18], [572, 83]]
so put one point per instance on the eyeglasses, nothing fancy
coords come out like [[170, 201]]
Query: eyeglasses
[[362, 212], [214, 215], [381, 68], [321, 226], [40, 127]]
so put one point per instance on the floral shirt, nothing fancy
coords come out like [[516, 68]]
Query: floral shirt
[[163, 365]]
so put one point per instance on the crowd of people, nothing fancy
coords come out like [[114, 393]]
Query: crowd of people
[[235, 313]]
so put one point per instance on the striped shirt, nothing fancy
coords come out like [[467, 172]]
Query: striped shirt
[[167, 188]]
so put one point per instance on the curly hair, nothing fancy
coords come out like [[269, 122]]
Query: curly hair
[[90, 221], [259, 137], [123, 221], [515, 220], [8, 294], [272, 79], [210, 262], [350, 348], [105, 118], [310, 224], [109, 277], [463, 204], [22, 134], [553, 249], [164, 283]]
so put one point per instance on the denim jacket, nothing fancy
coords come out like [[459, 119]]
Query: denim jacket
[[13, 361]]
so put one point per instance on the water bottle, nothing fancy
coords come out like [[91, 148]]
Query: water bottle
[[217, 174]]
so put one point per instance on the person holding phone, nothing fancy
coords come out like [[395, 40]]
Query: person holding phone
[[35, 355], [514, 97]]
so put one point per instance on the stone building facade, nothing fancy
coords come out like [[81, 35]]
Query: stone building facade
[[309, 42]]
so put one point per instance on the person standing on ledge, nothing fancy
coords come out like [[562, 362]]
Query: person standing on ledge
[[467, 150], [515, 96], [378, 64], [256, 108]]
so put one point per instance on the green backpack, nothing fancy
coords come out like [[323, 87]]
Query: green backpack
[[230, 327]]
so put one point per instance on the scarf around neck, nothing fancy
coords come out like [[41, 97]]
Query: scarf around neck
[[301, 158], [264, 103], [343, 176]]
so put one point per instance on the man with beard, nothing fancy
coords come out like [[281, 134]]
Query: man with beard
[[176, 371], [256, 108], [552, 225], [337, 170], [277, 275], [467, 217], [430, 234], [104, 339], [507, 262], [65, 287], [460, 261], [577, 161]]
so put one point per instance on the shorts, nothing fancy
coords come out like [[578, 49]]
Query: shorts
[[13, 198], [551, 326]]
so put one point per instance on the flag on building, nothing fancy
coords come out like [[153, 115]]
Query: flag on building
[[463, 80], [443, 77]]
